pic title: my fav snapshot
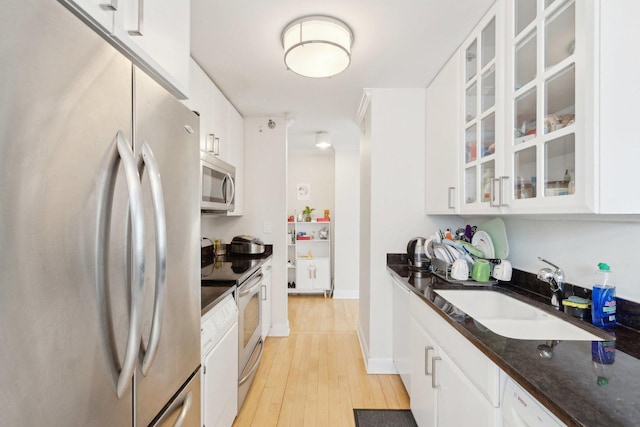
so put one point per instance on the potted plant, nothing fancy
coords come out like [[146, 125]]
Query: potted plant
[[307, 213]]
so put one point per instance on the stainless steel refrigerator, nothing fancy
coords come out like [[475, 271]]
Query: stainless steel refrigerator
[[99, 232]]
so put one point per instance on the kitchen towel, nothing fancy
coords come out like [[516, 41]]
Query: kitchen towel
[[384, 418]]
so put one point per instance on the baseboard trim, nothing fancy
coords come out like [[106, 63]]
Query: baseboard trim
[[351, 294], [280, 330], [374, 365]]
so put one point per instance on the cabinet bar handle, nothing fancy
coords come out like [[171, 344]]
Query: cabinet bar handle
[[450, 204], [492, 192], [210, 144], [433, 372], [426, 360], [501, 179], [138, 31]]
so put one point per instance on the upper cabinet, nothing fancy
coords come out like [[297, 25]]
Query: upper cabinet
[[221, 126], [482, 69], [546, 110], [442, 143], [155, 35]]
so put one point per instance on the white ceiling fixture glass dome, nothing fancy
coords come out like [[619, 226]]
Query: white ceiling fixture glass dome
[[323, 140], [317, 46]]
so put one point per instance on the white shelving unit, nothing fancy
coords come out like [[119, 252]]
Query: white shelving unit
[[309, 257]]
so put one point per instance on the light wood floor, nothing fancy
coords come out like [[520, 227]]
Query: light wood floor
[[316, 376]]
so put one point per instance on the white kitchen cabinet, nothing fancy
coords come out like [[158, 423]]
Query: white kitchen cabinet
[[481, 74], [221, 111], [313, 275], [155, 35], [223, 138], [442, 109], [569, 91], [422, 391], [266, 297], [547, 117], [236, 157], [449, 374], [401, 338], [200, 95]]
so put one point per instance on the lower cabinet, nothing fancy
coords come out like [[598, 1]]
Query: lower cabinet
[[313, 274], [401, 338], [450, 385]]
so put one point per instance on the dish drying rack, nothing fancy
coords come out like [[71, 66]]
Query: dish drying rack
[[442, 269]]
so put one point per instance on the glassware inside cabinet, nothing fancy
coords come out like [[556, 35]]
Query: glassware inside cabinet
[[525, 14], [488, 174], [525, 60], [560, 36], [560, 158], [470, 180], [525, 127], [470, 146], [488, 137], [524, 186], [560, 95]]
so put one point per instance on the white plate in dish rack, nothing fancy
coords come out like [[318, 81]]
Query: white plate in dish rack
[[482, 241]]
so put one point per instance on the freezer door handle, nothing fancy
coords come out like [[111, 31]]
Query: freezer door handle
[[134, 190], [186, 406], [148, 159]]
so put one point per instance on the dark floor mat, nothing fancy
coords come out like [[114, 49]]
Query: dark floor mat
[[384, 418]]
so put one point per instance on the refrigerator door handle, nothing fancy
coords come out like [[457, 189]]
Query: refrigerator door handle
[[134, 190], [186, 406], [155, 181]]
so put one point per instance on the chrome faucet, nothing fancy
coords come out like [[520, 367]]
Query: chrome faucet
[[555, 279]]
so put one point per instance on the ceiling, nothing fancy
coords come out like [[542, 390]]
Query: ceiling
[[397, 44]]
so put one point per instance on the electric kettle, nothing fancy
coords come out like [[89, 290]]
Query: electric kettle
[[417, 252]]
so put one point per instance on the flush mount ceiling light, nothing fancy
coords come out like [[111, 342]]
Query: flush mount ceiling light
[[317, 46], [323, 140]]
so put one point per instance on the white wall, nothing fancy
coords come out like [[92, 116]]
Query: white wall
[[316, 168], [577, 246], [346, 224], [392, 209], [265, 201]]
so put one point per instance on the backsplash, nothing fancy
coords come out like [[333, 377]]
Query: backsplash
[[628, 312]]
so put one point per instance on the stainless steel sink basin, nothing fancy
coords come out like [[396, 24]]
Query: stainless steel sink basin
[[513, 318]]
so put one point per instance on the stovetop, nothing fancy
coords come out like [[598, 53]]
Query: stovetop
[[230, 268]]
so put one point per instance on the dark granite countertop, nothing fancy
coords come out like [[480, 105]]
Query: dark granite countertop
[[220, 276], [565, 383]]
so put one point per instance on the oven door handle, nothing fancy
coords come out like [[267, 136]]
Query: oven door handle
[[255, 365], [246, 289]]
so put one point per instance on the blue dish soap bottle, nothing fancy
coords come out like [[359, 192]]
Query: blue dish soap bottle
[[603, 307]]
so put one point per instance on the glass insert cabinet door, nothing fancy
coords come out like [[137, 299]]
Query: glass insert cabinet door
[[479, 119], [541, 99]]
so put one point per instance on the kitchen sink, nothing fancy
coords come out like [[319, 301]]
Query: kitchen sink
[[513, 318]]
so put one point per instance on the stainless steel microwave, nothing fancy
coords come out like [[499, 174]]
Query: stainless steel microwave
[[218, 184]]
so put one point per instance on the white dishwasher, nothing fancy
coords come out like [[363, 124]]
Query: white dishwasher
[[220, 364], [520, 409]]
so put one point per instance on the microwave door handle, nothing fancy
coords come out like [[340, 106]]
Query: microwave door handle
[[233, 189], [161, 255], [134, 190]]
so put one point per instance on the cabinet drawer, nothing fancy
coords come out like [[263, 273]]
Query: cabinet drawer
[[481, 371]]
